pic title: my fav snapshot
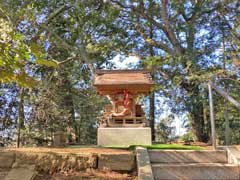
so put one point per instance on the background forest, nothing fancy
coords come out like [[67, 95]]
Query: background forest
[[49, 51]]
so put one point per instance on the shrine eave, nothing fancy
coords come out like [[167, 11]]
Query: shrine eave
[[122, 77], [113, 81]]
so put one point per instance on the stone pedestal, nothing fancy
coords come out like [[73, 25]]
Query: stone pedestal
[[124, 136]]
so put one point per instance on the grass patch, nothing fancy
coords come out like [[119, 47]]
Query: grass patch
[[160, 146], [169, 146]]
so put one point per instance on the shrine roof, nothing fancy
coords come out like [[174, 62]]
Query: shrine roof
[[122, 77]]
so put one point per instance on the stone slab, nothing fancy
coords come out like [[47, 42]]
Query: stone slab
[[124, 136], [195, 171], [143, 164], [21, 173], [3, 173], [117, 162], [233, 155], [188, 156], [6, 159]]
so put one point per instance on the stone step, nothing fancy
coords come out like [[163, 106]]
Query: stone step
[[188, 156], [195, 171], [116, 162], [6, 159]]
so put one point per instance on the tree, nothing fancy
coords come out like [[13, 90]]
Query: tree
[[65, 42], [52, 48], [165, 129], [185, 40]]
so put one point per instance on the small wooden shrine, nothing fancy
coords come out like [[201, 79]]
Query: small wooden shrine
[[123, 87]]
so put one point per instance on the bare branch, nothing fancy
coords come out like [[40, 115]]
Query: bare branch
[[80, 51], [66, 60], [226, 96], [168, 29], [154, 43], [50, 18]]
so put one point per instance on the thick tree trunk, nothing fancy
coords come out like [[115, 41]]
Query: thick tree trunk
[[197, 123], [197, 120]]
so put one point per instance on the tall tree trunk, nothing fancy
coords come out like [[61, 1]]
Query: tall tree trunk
[[68, 105], [71, 125], [152, 95], [20, 124], [152, 114]]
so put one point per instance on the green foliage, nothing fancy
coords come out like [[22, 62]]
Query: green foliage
[[161, 147], [165, 132], [187, 137], [181, 42], [232, 115], [172, 146], [54, 47], [13, 53]]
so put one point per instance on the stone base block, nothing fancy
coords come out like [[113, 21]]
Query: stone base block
[[195, 171], [116, 162], [124, 136]]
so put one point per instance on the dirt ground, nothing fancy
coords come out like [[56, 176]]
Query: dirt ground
[[92, 174], [77, 150]]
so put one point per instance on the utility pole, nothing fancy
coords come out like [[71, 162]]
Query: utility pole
[[213, 134]]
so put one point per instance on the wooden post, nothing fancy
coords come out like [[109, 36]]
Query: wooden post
[[213, 135]]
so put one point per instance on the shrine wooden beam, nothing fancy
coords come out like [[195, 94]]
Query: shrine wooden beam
[[99, 71]]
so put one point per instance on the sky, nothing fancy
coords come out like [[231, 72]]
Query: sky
[[127, 63]]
